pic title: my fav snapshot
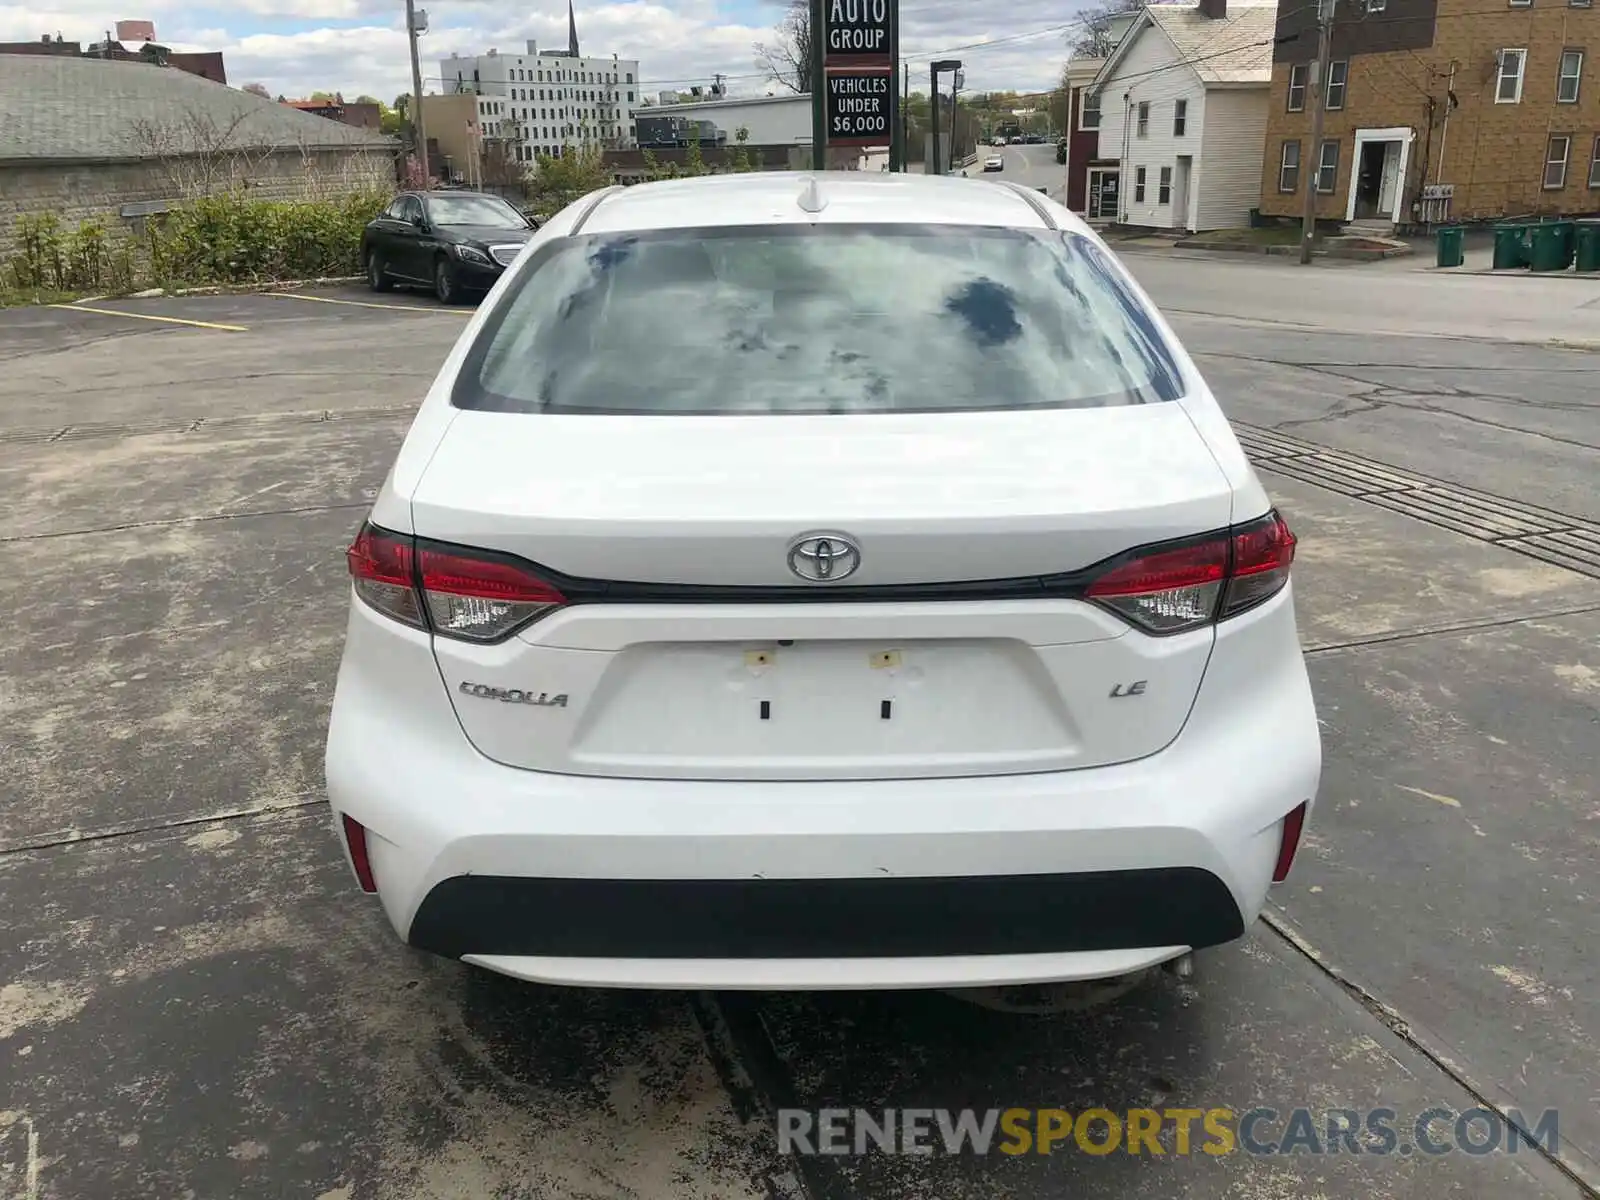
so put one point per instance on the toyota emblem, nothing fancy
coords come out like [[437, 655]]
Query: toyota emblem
[[824, 557]]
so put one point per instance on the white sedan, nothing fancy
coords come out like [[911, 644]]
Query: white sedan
[[820, 582], [994, 163]]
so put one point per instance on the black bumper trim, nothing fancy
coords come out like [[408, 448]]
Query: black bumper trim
[[887, 917]]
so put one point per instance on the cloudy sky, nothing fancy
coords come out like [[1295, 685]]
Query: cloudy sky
[[354, 46]]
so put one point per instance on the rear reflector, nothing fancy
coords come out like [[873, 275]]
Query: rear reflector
[[1293, 825], [456, 593], [1187, 586], [355, 837]]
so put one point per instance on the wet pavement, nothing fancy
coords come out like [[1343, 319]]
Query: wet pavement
[[195, 1001]]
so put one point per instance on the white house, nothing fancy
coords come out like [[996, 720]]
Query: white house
[[1183, 107]]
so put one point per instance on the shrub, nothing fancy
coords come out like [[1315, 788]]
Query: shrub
[[228, 238]]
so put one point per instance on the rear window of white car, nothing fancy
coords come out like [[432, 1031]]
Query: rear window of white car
[[816, 319]]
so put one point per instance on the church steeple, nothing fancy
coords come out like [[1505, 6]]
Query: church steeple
[[572, 32]]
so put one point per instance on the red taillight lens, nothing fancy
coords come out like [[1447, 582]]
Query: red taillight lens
[[1293, 825], [482, 600], [355, 837], [1168, 591], [1262, 554], [455, 593], [382, 568]]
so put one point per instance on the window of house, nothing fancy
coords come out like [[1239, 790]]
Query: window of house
[[1580, 3], [1571, 73], [1328, 166], [1180, 117], [1144, 118], [1377, 5], [1521, 3], [1508, 86], [1297, 88], [1089, 110], [1594, 163], [1289, 167], [1338, 76], [1138, 185], [1555, 161], [1164, 187]]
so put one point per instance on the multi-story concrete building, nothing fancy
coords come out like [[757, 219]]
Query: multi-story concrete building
[[1436, 110], [543, 100]]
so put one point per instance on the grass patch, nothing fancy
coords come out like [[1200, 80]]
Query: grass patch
[[1276, 235], [23, 297]]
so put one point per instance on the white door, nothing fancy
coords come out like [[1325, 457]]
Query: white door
[[1180, 191], [1391, 178]]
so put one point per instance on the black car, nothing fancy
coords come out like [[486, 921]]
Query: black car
[[454, 242]]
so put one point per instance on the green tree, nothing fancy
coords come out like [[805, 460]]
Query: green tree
[[559, 180]]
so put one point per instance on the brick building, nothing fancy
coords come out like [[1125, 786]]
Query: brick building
[[1460, 110], [208, 64], [118, 141]]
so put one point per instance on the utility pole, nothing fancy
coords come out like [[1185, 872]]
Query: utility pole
[[1311, 160], [933, 115], [418, 127], [905, 118]]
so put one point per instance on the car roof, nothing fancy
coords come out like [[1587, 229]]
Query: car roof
[[846, 197]]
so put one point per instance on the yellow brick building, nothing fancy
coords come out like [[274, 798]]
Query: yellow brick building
[[1437, 110]]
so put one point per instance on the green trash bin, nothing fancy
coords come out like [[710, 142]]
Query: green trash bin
[[1510, 246], [1586, 245], [1552, 246], [1450, 252]]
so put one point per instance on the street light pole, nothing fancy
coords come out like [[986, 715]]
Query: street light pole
[[1311, 160], [418, 126]]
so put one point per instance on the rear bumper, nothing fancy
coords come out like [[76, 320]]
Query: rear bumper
[[897, 883]]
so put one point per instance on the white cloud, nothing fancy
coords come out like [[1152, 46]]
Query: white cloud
[[360, 45]]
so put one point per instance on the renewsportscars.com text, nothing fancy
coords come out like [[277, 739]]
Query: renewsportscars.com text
[[1175, 1132]]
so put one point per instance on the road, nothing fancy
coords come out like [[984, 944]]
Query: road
[[195, 1001]]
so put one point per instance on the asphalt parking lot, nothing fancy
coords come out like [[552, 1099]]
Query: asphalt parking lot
[[195, 1001]]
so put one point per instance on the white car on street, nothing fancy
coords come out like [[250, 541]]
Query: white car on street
[[994, 163], [832, 581]]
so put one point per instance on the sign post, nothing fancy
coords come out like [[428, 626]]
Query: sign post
[[860, 101]]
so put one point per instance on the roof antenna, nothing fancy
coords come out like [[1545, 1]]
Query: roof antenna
[[811, 200]]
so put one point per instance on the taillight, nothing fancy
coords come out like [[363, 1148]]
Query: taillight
[[453, 592], [383, 569], [481, 599], [1262, 553], [1168, 591], [1185, 587]]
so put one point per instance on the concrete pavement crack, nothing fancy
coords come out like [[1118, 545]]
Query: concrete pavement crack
[[1407, 635], [194, 520], [1400, 1027]]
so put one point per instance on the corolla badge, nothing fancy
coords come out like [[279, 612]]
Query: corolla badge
[[514, 695]]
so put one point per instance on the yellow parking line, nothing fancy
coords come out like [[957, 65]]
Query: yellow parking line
[[421, 308], [112, 312]]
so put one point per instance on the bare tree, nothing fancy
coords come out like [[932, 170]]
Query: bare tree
[[788, 60], [257, 89], [198, 154], [1093, 38]]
